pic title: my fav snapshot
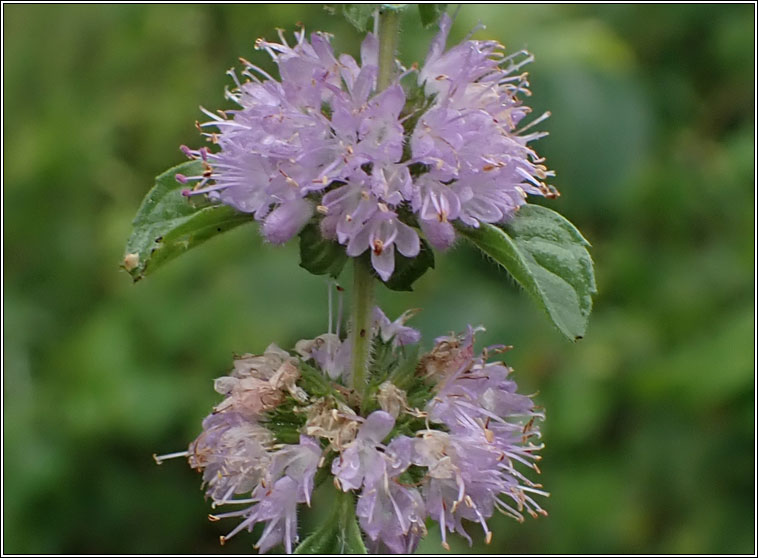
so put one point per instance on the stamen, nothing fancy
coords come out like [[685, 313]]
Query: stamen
[[329, 302], [159, 459], [443, 530]]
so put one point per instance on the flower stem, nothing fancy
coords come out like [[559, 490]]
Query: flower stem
[[389, 29], [363, 282], [363, 299]]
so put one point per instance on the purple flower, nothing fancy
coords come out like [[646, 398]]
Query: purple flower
[[363, 222], [459, 457], [330, 353], [334, 355], [277, 507], [391, 514], [233, 454], [396, 331], [472, 467], [361, 461], [288, 482], [287, 220], [320, 125], [480, 166], [321, 142], [299, 463]]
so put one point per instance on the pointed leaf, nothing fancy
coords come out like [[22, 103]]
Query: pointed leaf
[[430, 13], [548, 257], [339, 534], [361, 16], [407, 270], [319, 255], [168, 224]]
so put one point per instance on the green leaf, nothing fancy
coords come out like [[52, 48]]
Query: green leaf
[[319, 255], [361, 16], [548, 257], [407, 270], [339, 534], [168, 224], [430, 13]]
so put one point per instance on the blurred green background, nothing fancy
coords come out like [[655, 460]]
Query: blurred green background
[[649, 432]]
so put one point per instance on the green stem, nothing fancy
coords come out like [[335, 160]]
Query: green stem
[[363, 282], [389, 29], [363, 299]]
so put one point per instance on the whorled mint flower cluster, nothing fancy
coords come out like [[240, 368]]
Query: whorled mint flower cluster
[[374, 168], [441, 435]]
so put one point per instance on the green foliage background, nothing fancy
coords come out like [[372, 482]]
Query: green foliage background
[[650, 431]]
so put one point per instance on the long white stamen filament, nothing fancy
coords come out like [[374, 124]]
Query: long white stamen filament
[[329, 302], [159, 459]]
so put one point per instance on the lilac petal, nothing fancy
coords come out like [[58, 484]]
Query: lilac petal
[[399, 453], [391, 515], [483, 210], [349, 69], [348, 470], [376, 427], [344, 122], [370, 50], [437, 46], [407, 241], [359, 242], [323, 48], [384, 261], [440, 234], [390, 101], [364, 84], [397, 331], [287, 220]]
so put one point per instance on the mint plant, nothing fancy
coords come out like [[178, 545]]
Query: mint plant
[[380, 166]]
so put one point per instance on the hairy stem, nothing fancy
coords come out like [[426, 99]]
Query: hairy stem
[[363, 300], [389, 29], [363, 282]]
